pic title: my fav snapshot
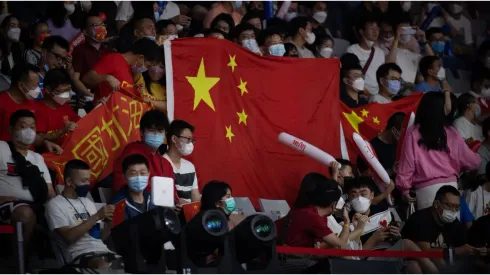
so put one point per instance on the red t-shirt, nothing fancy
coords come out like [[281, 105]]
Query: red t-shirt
[[50, 120], [159, 166], [7, 107], [305, 228], [114, 64]]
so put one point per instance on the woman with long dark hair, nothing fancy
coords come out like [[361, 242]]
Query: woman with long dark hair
[[433, 153], [64, 19], [10, 47]]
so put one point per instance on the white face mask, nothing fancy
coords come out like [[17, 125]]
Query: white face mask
[[441, 75], [32, 94], [326, 52], [25, 136], [310, 38], [361, 204], [62, 98], [251, 44], [369, 43], [290, 15], [485, 93], [320, 16], [186, 148], [358, 84], [14, 34], [70, 8], [172, 36], [448, 216], [406, 6]]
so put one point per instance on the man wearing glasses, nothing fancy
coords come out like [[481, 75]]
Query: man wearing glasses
[[438, 227], [181, 144]]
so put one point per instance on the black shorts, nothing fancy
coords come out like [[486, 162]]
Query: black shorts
[[7, 208]]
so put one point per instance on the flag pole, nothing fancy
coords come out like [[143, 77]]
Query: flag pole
[[169, 74]]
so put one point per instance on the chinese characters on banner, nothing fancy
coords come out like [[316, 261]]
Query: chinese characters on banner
[[101, 136]]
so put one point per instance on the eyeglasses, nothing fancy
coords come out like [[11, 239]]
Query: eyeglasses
[[449, 206], [189, 140], [58, 56]]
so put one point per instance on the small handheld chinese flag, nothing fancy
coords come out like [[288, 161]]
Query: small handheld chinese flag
[[118, 216], [191, 209]]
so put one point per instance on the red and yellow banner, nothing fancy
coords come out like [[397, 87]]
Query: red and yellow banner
[[101, 136]]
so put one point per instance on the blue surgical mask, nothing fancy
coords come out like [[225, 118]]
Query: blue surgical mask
[[478, 110], [82, 190], [394, 86], [154, 140], [138, 183], [277, 50], [438, 46], [230, 206]]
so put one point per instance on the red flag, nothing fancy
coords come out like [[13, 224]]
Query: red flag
[[191, 209], [119, 209], [240, 102], [100, 137], [371, 119]]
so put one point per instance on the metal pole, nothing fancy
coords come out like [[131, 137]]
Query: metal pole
[[20, 247]]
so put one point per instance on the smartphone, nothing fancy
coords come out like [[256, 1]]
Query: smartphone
[[409, 30]]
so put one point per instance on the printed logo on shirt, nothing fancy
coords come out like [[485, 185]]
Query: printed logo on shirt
[[11, 170], [486, 211], [439, 243], [80, 217]]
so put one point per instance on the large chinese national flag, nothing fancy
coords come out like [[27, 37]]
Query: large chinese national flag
[[239, 102], [371, 119]]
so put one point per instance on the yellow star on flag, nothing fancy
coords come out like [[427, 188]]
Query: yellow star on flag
[[242, 117], [202, 85], [376, 120], [232, 63], [354, 120], [229, 133], [365, 113], [243, 86]]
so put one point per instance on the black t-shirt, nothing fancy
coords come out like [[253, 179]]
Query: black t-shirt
[[350, 102], [386, 152], [478, 234], [422, 227]]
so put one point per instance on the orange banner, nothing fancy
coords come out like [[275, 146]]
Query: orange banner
[[101, 136]]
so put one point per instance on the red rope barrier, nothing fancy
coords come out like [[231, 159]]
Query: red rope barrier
[[359, 253]]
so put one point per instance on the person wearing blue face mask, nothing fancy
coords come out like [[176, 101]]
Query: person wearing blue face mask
[[271, 42], [77, 222], [388, 76], [136, 171], [468, 111], [217, 195], [153, 126], [435, 37]]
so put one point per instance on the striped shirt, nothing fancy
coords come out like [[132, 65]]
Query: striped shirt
[[185, 178]]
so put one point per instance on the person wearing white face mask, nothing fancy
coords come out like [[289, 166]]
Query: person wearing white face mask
[[324, 47], [59, 21], [370, 56], [353, 81], [181, 144], [438, 227], [434, 75], [300, 32], [18, 198], [56, 118], [244, 35], [480, 89], [11, 48]]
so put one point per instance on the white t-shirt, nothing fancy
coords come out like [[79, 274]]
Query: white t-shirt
[[478, 202], [409, 63], [378, 59], [124, 11], [463, 25], [380, 99], [61, 213], [185, 178], [467, 129], [10, 182]]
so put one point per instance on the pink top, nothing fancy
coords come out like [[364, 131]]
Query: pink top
[[420, 168]]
